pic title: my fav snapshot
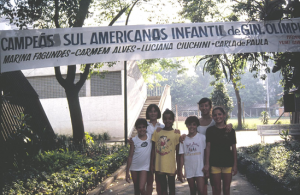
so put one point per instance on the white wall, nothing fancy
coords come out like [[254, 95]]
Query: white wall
[[101, 113], [137, 95], [168, 104]]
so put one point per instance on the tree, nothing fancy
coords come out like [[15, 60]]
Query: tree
[[152, 68], [61, 14], [220, 97], [285, 62], [187, 89], [232, 66], [252, 92]]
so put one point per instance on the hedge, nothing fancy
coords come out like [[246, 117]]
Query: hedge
[[274, 168], [63, 172]]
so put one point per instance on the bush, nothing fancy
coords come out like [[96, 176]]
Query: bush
[[64, 172], [94, 143], [264, 117], [275, 168]]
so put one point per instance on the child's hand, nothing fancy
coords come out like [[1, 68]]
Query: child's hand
[[158, 129], [130, 142], [177, 131], [234, 170], [182, 138], [206, 171], [128, 177], [228, 128], [152, 168], [180, 177]]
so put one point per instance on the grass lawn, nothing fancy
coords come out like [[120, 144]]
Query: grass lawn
[[250, 123]]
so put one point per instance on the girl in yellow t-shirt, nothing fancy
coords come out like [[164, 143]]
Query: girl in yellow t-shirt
[[165, 147]]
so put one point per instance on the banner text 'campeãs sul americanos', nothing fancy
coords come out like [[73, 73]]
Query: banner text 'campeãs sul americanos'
[[39, 48]]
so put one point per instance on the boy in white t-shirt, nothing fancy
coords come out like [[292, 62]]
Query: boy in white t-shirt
[[192, 157], [138, 161]]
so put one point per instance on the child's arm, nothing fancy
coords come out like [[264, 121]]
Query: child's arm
[[152, 159], [206, 164], [228, 128], [180, 175], [130, 141], [177, 158], [182, 138], [234, 168], [129, 161]]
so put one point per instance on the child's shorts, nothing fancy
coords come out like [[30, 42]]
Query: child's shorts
[[216, 170], [162, 173]]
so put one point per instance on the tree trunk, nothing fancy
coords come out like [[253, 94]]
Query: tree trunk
[[295, 118], [76, 115], [238, 99], [72, 90]]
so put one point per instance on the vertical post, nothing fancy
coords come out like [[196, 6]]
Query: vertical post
[[125, 83], [243, 114], [125, 103], [176, 111]]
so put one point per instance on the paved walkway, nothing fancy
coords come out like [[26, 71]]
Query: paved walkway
[[239, 185]]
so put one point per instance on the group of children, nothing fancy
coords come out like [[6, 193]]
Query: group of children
[[208, 151]]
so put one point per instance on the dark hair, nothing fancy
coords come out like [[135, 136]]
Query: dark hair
[[149, 108], [167, 111], [192, 119], [204, 100], [219, 108], [141, 121]]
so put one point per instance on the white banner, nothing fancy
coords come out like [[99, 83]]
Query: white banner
[[39, 48]]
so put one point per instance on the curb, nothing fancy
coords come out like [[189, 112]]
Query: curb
[[102, 187]]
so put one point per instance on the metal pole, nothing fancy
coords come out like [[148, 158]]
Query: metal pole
[[243, 114], [176, 116], [125, 85], [125, 103]]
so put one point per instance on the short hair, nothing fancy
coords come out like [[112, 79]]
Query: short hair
[[167, 111], [141, 121], [204, 100], [192, 119], [149, 108], [219, 108]]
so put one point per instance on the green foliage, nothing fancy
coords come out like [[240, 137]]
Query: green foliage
[[199, 10], [274, 168], [275, 10], [285, 135], [88, 139], [22, 144], [251, 91], [64, 172], [220, 97], [151, 69], [264, 117], [187, 88]]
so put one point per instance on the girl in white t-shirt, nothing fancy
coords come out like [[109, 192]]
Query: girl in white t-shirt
[[192, 157], [152, 114], [138, 161], [206, 120]]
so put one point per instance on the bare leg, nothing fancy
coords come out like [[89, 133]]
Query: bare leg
[[200, 185], [226, 177], [142, 183], [161, 184], [149, 183], [135, 179], [205, 189], [171, 182], [192, 186], [216, 179]]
